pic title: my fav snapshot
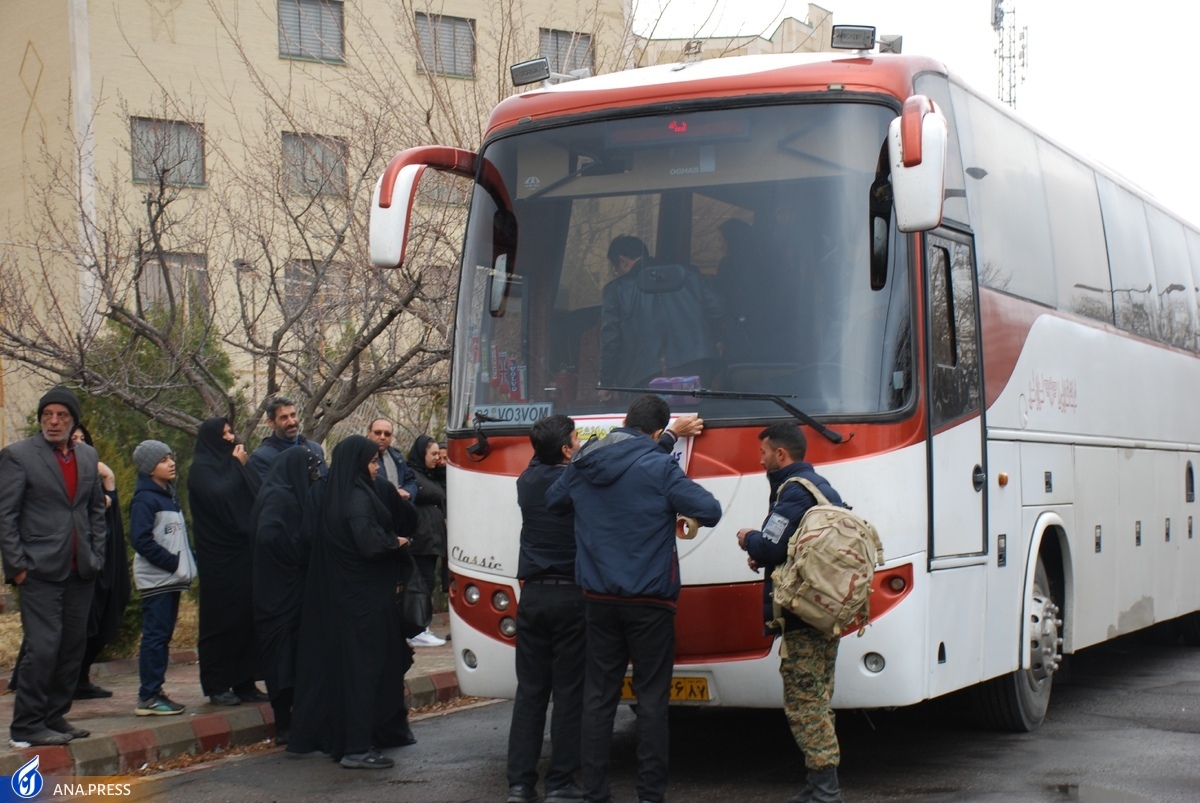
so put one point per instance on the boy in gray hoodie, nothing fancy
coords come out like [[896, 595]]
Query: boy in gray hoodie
[[162, 569]]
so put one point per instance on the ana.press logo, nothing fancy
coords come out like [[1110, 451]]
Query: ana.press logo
[[28, 781]]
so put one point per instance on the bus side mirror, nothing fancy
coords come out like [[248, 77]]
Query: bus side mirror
[[392, 201], [917, 154]]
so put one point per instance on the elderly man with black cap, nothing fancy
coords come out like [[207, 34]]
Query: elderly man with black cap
[[52, 544]]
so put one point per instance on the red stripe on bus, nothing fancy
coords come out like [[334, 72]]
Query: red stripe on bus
[[719, 452], [1006, 321]]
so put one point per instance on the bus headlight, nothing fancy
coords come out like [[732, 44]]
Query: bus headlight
[[471, 595], [874, 662], [500, 601], [896, 584], [469, 659], [508, 627]]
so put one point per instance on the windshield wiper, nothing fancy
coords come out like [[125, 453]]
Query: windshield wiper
[[835, 437]]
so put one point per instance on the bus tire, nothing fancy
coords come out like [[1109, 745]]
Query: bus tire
[[1189, 629], [1018, 701]]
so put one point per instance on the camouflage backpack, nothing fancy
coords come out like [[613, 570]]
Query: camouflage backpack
[[831, 560]]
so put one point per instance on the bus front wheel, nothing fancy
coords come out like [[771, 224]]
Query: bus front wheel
[[1018, 701]]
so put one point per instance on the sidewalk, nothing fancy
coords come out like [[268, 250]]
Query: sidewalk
[[122, 741]]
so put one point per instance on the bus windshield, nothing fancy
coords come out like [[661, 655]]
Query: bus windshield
[[724, 249]]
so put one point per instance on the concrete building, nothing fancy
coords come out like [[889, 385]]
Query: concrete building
[[216, 114], [809, 35]]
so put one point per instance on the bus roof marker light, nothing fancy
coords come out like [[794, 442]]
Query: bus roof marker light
[[530, 72], [853, 37]]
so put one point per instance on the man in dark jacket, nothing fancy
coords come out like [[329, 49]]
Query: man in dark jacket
[[392, 465], [655, 319], [808, 656], [626, 493], [285, 433], [550, 626], [52, 540]]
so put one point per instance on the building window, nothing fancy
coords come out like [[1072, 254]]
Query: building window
[[168, 151], [180, 282], [566, 50], [314, 165], [312, 29], [447, 45]]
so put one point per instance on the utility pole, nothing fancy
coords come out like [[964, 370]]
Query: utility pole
[[1011, 51]]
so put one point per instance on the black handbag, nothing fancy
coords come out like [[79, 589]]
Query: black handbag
[[414, 602]]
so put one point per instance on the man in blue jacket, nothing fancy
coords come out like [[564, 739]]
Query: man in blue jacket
[[625, 493], [808, 662], [285, 433]]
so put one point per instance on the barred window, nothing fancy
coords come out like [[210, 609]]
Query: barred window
[[567, 50], [179, 280], [167, 150], [447, 45], [312, 29], [314, 165]]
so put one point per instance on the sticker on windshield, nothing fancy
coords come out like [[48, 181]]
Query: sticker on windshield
[[514, 413]]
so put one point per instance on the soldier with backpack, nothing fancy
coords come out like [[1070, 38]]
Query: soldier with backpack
[[807, 655]]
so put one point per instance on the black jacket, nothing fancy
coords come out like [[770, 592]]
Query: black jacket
[[273, 446], [547, 539], [430, 537], [656, 317]]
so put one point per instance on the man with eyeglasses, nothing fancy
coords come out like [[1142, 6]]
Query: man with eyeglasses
[[392, 464], [52, 542]]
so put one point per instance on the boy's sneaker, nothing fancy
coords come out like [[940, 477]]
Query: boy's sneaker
[[159, 705], [426, 639]]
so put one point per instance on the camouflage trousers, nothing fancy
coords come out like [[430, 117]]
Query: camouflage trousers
[[807, 672]]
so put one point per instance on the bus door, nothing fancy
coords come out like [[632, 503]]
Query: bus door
[[957, 471]]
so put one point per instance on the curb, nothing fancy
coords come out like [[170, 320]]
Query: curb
[[125, 751]]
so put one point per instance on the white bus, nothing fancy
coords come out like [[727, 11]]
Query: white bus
[[998, 337]]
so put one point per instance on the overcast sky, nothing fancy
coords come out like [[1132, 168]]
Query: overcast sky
[[1115, 81]]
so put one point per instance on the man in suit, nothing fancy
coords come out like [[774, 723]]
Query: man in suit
[[52, 544]]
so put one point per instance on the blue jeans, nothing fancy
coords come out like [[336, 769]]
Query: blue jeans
[[158, 625]]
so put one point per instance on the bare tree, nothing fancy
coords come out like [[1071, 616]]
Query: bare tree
[[236, 265]]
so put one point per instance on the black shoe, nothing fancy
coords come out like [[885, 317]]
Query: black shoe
[[253, 696], [522, 793], [90, 691], [371, 760], [62, 726], [42, 737], [564, 794], [281, 738], [226, 697]]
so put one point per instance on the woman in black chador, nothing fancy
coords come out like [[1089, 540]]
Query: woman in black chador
[[429, 542], [280, 568], [348, 673], [221, 492]]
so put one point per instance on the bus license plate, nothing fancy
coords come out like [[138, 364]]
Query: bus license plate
[[683, 689]]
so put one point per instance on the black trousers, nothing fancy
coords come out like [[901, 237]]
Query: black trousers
[[54, 620], [616, 635], [550, 660]]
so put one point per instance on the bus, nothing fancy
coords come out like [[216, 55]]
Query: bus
[[993, 343]]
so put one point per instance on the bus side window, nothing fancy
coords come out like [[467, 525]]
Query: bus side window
[[954, 356]]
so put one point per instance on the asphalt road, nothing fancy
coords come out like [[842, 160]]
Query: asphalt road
[[1125, 726]]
